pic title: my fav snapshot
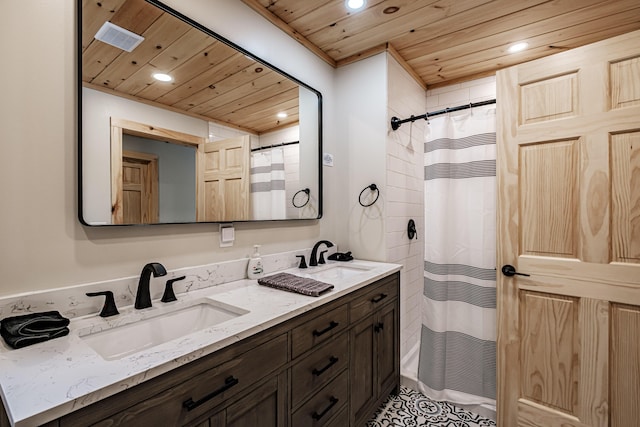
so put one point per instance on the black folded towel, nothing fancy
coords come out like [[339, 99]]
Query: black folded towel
[[34, 324], [19, 341], [293, 283]]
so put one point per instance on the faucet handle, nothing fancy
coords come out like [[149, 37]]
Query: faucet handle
[[303, 263], [109, 308], [169, 295], [321, 260]]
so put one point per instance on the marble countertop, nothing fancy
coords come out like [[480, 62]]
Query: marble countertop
[[48, 380]]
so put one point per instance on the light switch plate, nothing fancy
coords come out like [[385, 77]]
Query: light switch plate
[[227, 235]]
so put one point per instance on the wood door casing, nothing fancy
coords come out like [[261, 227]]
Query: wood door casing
[[569, 215], [119, 127]]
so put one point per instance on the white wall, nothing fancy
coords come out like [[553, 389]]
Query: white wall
[[43, 245], [371, 92], [361, 123]]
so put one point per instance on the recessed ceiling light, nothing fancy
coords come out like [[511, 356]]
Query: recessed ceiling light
[[281, 115], [162, 77], [355, 4], [518, 47], [391, 9]]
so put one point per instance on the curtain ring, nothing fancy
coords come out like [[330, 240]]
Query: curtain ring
[[293, 199], [371, 187]]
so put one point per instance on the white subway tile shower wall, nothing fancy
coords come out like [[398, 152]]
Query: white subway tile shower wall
[[405, 196], [462, 93]]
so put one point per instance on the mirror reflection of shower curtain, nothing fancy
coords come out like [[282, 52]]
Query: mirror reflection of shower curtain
[[458, 338], [268, 198]]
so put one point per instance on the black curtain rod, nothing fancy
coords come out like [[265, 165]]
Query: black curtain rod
[[282, 144], [396, 122]]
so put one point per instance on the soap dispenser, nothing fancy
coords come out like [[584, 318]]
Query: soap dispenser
[[254, 269]]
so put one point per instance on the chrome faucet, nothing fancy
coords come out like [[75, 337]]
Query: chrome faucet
[[313, 261], [143, 296]]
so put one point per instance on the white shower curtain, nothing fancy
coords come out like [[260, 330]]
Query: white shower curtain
[[268, 198], [457, 348]]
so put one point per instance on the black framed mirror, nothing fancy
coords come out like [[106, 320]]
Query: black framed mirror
[[180, 125]]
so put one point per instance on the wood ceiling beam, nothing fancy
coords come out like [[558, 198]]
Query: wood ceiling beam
[[255, 5]]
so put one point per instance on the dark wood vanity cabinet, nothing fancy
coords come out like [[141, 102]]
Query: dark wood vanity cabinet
[[374, 360], [332, 366]]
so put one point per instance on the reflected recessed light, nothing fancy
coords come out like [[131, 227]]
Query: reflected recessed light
[[518, 47], [281, 115], [355, 4], [162, 77]]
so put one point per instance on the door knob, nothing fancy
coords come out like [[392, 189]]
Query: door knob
[[509, 270]]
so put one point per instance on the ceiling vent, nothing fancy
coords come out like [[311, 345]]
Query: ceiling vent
[[118, 37]]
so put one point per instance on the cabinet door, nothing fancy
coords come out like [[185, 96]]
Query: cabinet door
[[266, 406], [387, 349], [363, 368]]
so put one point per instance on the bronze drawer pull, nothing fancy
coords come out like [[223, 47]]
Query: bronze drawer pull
[[317, 333], [379, 326], [228, 383], [378, 298], [332, 361], [316, 416]]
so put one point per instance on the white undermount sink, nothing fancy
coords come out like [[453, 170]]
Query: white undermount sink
[[334, 272], [120, 341]]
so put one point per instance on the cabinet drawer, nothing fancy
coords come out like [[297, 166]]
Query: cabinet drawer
[[318, 368], [192, 398], [318, 330], [341, 420], [324, 404], [375, 298]]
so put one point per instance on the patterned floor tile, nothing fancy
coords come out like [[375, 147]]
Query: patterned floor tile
[[411, 408]]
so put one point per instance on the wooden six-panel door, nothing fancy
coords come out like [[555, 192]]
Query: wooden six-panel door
[[223, 184], [569, 216]]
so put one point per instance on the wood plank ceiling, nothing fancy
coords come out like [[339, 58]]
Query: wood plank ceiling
[[447, 41], [438, 41], [211, 80]]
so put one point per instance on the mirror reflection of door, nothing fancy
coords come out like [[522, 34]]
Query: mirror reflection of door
[[177, 164], [139, 188], [224, 183]]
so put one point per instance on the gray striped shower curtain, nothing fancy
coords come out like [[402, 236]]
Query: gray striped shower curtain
[[458, 339], [267, 177]]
